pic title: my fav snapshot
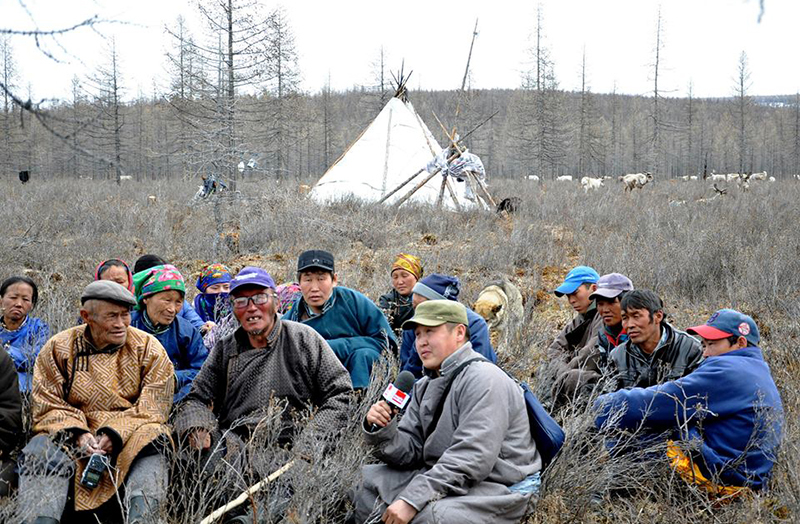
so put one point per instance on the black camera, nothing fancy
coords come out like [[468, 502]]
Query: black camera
[[94, 470]]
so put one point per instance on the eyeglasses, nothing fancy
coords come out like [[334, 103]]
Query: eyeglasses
[[259, 300]]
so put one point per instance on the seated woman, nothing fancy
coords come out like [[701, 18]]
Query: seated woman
[[396, 304], [160, 298], [288, 293], [214, 283], [115, 270], [146, 262], [22, 336]]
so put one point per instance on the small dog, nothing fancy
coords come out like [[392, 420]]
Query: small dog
[[499, 303]]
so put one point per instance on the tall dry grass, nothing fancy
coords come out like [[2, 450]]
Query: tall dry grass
[[741, 251]]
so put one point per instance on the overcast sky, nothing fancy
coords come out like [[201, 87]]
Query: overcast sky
[[703, 40]]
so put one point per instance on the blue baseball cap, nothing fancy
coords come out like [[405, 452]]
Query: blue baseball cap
[[577, 276], [725, 323], [252, 276]]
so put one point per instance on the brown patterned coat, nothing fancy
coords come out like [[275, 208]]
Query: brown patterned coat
[[127, 393]]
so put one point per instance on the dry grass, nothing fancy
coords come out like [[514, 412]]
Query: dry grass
[[740, 251]]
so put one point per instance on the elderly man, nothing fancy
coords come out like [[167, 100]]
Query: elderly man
[[655, 351], [101, 389], [443, 287], [356, 330], [265, 358], [729, 404], [465, 465]]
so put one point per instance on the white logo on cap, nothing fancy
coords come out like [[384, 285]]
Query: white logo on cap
[[247, 276], [744, 328]]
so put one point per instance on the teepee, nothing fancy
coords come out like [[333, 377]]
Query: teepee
[[388, 152]]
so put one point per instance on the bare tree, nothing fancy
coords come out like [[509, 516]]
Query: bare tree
[[743, 105], [590, 146], [655, 115], [9, 72]]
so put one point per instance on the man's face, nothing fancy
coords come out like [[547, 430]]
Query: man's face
[[403, 281], [255, 318], [317, 287], [713, 348], [417, 299], [434, 344], [640, 325], [609, 310], [163, 307], [579, 299], [108, 323]]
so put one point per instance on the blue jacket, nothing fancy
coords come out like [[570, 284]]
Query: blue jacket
[[185, 348], [349, 320], [478, 336], [188, 313], [740, 402], [23, 345]]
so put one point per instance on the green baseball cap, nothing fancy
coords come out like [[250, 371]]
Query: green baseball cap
[[434, 313]]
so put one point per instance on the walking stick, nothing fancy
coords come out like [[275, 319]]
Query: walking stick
[[238, 501]]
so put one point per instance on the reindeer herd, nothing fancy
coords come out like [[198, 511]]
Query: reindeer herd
[[633, 181]]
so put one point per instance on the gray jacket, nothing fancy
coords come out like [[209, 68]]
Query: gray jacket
[[677, 354], [483, 434], [579, 333]]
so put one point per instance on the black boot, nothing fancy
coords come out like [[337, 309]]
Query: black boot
[[45, 520]]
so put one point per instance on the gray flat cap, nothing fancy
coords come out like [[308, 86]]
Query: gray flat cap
[[108, 291]]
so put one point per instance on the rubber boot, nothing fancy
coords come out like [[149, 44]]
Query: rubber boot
[[45, 520], [139, 511]]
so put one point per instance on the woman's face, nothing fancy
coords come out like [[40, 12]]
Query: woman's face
[[216, 289], [403, 281], [162, 308], [116, 274], [17, 302]]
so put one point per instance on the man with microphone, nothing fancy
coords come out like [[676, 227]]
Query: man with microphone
[[463, 443]]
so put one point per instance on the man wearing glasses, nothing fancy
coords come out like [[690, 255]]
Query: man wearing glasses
[[265, 358]]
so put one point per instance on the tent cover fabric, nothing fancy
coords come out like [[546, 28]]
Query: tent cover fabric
[[393, 147]]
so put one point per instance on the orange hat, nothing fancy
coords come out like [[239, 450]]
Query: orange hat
[[409, 263]]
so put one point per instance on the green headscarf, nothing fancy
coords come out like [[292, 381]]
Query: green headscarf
[[155, 280]]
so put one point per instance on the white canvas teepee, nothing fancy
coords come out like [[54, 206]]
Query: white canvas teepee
[[393, 147]]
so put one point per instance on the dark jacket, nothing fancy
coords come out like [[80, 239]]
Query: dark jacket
[[677, 354], [579, 333], [238, 382], [397, 308], [730, 403], [10, 406], [185, 348], [478, 337]]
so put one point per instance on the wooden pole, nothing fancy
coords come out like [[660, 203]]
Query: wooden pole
[[217, 513], [398, 188]]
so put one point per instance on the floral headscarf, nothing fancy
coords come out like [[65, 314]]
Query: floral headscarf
[[158, 279], [213, 274]]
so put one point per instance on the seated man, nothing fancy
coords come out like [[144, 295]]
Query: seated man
[[101, 388], [655, 351], [580, 334], [265, 357], [140, 273], [10, 421], [354, 327], [729, 403], [463, 467], [443, 287]]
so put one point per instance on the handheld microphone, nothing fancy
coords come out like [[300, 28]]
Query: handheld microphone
[[398, 394]]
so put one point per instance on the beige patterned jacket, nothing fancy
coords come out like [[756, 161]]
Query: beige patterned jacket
[[127, 393]]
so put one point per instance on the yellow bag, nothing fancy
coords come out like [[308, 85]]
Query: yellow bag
[[691, 473]]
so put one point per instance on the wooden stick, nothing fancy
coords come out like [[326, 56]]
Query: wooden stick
[[398, 188], [217, 513], [453, 195], [441, 192], [416, 188]]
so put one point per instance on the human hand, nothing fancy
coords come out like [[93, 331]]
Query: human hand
[[88, 443], [200, 439], [399, 512], [379, 414], [104, 444]]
